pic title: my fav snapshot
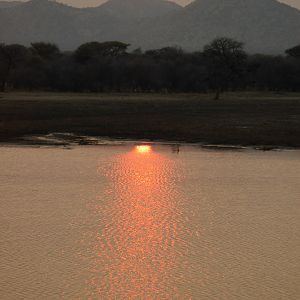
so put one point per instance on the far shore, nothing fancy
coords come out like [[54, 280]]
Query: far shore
[[262, 120]]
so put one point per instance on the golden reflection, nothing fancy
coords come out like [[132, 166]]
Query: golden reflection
[[136, 251], [143, 148]]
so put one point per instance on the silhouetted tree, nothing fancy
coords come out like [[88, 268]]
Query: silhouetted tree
[[225, 60], [10, 57], [106, 67], [45, 50], [294, 52], [95, 49]]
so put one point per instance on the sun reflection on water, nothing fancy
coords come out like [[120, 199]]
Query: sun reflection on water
[[136, 249], [143, 149]]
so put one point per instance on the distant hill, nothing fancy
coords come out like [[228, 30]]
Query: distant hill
[[138, 9], [44, 20], [121, 19], [41, 20], [265, 26], [5, 4]]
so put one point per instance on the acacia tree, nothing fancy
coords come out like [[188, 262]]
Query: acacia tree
[[225, 60], [88, 51], [10, 57], [294, 52], [46, 51]]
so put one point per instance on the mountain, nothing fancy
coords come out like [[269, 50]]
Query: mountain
[[45, 20], [120, 19], [41, 20], [5, 4], [265, 26], [139, 9]]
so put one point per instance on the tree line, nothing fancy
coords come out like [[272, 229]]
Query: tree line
[[222, 65]]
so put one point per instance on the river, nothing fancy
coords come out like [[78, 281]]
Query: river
[[149, 222]]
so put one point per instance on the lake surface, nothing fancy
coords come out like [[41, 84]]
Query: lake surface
[[149, 222]]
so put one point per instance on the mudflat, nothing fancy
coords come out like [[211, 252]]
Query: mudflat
[[248, 119]]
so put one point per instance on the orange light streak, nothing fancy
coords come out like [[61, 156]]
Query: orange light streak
[[136, 251], [143, 149]]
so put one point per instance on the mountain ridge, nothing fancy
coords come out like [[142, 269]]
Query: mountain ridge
[[265, 26], [6, 4]]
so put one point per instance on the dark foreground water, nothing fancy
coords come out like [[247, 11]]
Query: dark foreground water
[[149, 222]]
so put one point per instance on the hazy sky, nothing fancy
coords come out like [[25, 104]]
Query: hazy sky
[[87, 3], [83, 3]]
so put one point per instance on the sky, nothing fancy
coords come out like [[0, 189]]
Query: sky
[[85, 3], [89, 3]]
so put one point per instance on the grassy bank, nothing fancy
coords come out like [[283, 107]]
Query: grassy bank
[[237, 119]]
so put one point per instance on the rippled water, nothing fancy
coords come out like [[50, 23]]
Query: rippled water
[[149, 222]]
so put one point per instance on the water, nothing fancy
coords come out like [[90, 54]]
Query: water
[[126, 222]]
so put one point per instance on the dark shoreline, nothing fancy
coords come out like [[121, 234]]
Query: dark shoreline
[[264, 121], [68, 140]]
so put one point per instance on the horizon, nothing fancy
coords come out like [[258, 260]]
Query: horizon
[[95, 3]]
